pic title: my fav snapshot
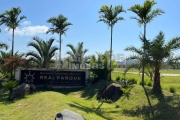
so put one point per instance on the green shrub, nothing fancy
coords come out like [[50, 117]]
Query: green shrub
[[172, 89], [93, 78], [100, 66], [149, 84], [1, 75], [9, 85], [133, 80], [140, 83], [126, 92], [127, 82], [118, 78]]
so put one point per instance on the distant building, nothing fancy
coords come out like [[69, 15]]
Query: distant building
[[124, 63]]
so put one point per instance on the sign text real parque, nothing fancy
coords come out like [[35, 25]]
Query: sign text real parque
[[37, 77]]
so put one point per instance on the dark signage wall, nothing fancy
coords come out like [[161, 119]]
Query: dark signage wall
[[55, 78]]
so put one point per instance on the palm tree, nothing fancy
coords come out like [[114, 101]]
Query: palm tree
[[59, 26], [109, 15], [158, 52], [77, 55], [45, 51], [145, 15], [11, 19]]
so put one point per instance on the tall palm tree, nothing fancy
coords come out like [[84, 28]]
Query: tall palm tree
[[45, 51], [11, 19], [145, 15], [109, 15], [59, 26], [77, 54]]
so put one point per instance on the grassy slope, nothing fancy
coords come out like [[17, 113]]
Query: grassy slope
[[45, 104]]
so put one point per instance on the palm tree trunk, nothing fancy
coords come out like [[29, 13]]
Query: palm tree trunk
[[157, 86], [111, 53], [12, 52], [143, 54], [12, 43], [60, 50]]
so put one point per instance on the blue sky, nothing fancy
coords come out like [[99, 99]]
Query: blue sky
[[83, 14]]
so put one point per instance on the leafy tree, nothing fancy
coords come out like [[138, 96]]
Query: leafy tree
[[145, 15], [77, 55], [59, 26], [11, 19], [10, 63], [13, 62], [3, 55], [44, 51], [109, 15]]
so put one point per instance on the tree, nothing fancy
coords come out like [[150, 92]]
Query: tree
[[13, 62], [145, 15], [59, 26], [4, 55], [11, 19], [158, 52], [99, 66], [77, 55], [44, 51], [109, 15]]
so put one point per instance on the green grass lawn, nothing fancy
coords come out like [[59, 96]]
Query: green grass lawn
[[166, 81], [44, 105], [166, 71]]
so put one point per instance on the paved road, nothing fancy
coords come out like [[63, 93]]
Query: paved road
[[162, 74]]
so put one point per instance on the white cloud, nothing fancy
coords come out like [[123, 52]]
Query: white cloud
[[28, 29], [26, 23]]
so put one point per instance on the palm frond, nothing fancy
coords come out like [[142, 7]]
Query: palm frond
[[134, 49], [72, 48], [109, 15], [174, 44], [3, 45]]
